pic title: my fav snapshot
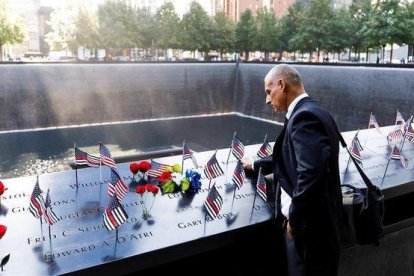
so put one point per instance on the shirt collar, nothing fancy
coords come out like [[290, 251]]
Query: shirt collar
[[294, 103]]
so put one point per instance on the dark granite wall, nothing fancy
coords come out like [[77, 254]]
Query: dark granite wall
[[69, 94], [349, 93]]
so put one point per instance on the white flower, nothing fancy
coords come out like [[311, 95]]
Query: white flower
[[177, 177]]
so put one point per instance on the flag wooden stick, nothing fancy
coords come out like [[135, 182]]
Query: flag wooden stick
[[349, 158], [366, 138], [255, 194], [100, 173], [76, 172], [205, 217], [402, 145], [389, 159], [182, 164], [234, 195], [228, 157]]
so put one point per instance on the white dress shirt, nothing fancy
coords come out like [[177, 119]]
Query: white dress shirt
[[285, 199]]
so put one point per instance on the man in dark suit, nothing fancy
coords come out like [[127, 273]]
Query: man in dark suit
[[305, 167]]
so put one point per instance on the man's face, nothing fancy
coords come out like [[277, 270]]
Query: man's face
[[275, 95]]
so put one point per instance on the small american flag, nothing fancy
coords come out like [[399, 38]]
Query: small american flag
[[156, 169], [373, 123], [395, 136], [237, 147], [355, 152], [213, 202], [116, 185], [409, 133], [265, 150], [50, 216], [239, 175], [114, 215], [396, 155], [261, 187], [399, 119], [187, 153], [212, 169], [82, 158], [37, 204], [106, 157], [357, 142]]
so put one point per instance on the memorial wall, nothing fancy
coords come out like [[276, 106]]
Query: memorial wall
[[34, 95]]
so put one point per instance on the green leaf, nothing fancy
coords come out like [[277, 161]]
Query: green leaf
[[5, 260], [168, 187], [185, 184]]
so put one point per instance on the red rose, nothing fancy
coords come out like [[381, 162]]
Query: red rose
[[154, 190], [164, 177], [3, 230], [134, 168], [140, 189], [144, 166], [2, 188]]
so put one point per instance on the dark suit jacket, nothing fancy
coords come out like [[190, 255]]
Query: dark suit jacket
[[305, 163]]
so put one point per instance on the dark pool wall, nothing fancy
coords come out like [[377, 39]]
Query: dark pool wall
[[349, 93], [69, 94]]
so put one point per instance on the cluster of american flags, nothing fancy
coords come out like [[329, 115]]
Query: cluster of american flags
[[114, 214], [396, 138], [40, 207]]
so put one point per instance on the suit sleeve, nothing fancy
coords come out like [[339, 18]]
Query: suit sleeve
[[265, 163], [312, 152]]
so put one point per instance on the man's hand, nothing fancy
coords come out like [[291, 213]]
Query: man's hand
[[289, 230], [247, 164]]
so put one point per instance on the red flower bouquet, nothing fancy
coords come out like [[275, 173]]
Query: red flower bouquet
[[144, 191]]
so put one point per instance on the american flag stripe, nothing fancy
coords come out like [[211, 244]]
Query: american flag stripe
[[238, 175], [106, 157], [395, 136], [188, 154], [237, 147], [213, 202], [399, 118], [261, 187], [373, 123], [50, 216], [265, 150], [83, 158], [212, 169], [157, 169], [116, 185], [37, 205], [114, 214]]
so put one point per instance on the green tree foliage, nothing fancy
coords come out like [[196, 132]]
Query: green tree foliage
[[246, 31], [313, 26], [223, 31], [289, 25], [11, 30], [86, 32], [63, 29], [166, 29], [267, 35], [387, 24], [196, 27], [117, 26], [338, 34]]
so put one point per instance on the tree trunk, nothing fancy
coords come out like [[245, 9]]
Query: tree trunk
[[319, 53], [350, 51], [247, 55], [367, 55], [392, 48], [1, 53], [383, 53]]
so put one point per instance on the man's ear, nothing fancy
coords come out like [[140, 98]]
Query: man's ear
[[282, 84]]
